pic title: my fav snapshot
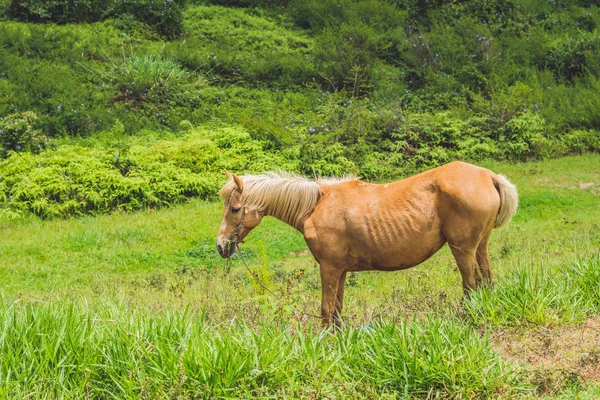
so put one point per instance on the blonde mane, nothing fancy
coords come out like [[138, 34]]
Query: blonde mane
[[285, 196]]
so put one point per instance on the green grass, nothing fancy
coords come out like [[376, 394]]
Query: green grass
[[140, 305], [540, 297], [63, 350]]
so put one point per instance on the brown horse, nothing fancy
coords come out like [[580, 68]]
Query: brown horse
[[351, 225]]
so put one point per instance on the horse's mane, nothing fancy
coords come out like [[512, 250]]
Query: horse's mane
[[285, 196]]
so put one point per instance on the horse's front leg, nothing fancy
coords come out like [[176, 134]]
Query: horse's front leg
[[339, 304], [330, 285]]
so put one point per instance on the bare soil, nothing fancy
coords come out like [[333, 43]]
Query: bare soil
[[556, 356]]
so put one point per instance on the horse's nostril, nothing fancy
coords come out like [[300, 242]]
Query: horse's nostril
[[222, 251]]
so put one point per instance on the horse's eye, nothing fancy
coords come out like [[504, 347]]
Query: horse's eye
[[234, 210]]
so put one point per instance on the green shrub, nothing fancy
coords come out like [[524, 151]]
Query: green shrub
[[18, 133], [240, 46], [60, 11], [351, 36], [526, 136], [335, 85], [574, 57], [164, 16], [580, 141], [74, 180]]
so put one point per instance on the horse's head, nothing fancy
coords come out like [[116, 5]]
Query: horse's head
[[238, 219]]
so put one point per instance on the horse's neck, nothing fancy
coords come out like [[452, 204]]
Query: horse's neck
[[287, 199], [299, 226]]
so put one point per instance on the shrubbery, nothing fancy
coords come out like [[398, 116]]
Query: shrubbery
[[129, 173], [492, 57], [18, 133], [164, 16], [74, 180]]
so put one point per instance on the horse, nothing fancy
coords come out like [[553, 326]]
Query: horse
[[350, 225]]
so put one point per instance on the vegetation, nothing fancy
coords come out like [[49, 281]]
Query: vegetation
[[372, 87], [83, 354], [131, 108], [126, 174]]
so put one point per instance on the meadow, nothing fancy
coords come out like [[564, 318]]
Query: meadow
[[140, 305]]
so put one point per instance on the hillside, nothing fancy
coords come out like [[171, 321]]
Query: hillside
[[376, 88]]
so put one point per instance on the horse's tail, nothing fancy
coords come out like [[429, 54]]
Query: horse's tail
[[509, 200]]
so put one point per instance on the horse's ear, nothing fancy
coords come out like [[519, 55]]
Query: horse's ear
[[238, 181]]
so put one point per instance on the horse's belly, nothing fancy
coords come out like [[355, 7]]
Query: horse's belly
[[399, 255]]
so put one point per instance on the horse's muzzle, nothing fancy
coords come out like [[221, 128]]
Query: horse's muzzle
[[223, 251], [227, 250]]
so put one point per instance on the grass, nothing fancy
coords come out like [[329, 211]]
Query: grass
[[539, 297], [140, 305], [64, 350]]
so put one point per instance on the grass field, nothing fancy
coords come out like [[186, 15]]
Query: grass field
[[141, 306]]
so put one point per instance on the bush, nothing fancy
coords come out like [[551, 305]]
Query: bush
[[74, 180], [245, 48], [60, 11], [336, 85], [527, 136], [164, 16], [18, 133], [351, 36], [574, 57]]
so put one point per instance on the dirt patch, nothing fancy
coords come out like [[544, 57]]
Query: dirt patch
[[302, 253], [556, 356], [590, 187]]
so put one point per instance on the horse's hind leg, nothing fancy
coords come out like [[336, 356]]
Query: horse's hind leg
[[468, 242], [484, 261], [467, 264]]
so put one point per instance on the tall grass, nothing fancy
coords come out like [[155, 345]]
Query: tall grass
[[140, 73], [539, 296], [65, 350]]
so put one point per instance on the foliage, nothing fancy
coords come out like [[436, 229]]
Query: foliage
[[571, 58], [61, 11], [18, 133], [165, 16], [77, 353], [73, 180], [376, 88], [237, 46]]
